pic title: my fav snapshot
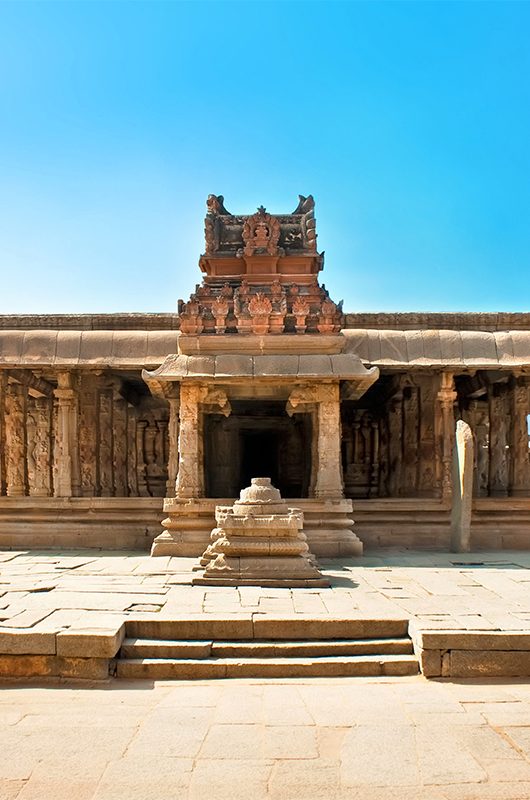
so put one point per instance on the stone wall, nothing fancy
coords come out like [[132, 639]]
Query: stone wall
[[81, 434]]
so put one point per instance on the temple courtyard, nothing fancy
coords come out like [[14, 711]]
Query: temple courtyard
[[385, 737], [375, 739], [51, 591]]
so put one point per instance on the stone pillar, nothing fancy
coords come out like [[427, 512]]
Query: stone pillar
[[498, 441], [65, 433], [462, 495], [173, 432], [15, 436], [39, 447], [426, 446], [105, 449], [141, 477], [119, 454], [329, 482], [132, 472], [446, 433], [88, 428], [395, 443], [3, 385], [520, 477], [411, 425], [190, 474]]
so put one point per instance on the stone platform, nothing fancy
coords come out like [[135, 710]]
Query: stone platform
[[64, 613]]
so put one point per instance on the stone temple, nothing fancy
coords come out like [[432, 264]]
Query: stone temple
[[126, 431]]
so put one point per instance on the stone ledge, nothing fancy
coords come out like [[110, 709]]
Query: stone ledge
[[96, 643], [471, 654]]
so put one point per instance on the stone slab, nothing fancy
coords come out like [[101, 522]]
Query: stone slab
[[94, 643]]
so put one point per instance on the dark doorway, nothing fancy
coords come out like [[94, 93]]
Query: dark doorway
[[259, 457], [257, 440]]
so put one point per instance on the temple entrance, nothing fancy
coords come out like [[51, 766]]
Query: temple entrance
[[257, 440]]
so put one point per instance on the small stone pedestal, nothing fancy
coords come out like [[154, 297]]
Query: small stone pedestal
[[259, 542]]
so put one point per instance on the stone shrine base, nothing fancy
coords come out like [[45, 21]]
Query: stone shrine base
[[328, 525]]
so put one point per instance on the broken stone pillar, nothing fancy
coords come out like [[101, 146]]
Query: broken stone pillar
[[462, 496], [259, 542]]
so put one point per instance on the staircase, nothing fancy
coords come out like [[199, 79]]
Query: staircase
[[265, 648]]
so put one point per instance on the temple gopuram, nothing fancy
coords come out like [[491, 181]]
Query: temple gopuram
[[127, 430]]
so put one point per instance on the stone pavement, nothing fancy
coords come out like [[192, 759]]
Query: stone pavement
[[50, 591], [375, 739]]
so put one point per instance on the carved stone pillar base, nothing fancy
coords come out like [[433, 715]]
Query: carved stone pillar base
[[187, 527]]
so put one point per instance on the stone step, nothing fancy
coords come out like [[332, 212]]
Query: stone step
[[163, 648], [185, 669], [263, 627]]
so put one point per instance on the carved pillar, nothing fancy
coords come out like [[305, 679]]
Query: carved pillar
[[329, 477], [132, 473], [410, 464], [105, 448], [39, 446], [426, 445], [446, 432], [499, 453], [190, 471], [314, 451], [15, 433], [65, 435], [3, 384], [88, 435], [520, 473], [141, 465], [173, 431], [374, 467], [119, 453], [395, 444]]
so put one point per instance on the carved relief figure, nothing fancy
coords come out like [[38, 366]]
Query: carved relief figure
[[15, 440]]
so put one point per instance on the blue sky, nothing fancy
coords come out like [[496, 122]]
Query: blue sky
[[409, 123]]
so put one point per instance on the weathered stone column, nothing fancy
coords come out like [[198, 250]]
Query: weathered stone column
[[64, 451], [498, 441], [395, 443], [520, 478], [190, 476], [173, 398], [132, 475], [119, 453], [87, 438], [329, 483], [3, 385], [39, 446], [15, 435], [446, 399], [141, 481], [462, 489], [106, 444]]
